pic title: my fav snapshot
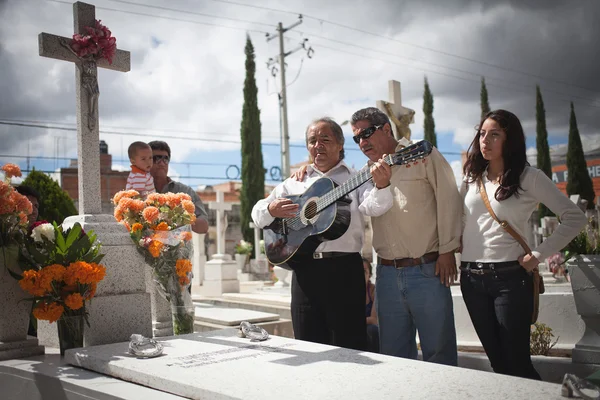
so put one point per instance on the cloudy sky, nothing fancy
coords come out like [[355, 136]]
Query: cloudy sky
[[187, 73]]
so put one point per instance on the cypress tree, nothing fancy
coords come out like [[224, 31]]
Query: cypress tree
[[578, 181], [429, 123], [253, 173], [543, 151], [483, 99], [55, 203]]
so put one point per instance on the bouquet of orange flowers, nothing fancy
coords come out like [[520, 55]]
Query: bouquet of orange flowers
[[61, 270], [160, 226], [14, 209]]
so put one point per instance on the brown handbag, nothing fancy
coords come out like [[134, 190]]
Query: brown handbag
[[538, 281]]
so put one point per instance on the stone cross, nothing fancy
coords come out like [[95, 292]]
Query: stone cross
[[86, 79], [220, 206], [400, 116]]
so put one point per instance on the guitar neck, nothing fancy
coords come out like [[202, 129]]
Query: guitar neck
[[350, 185]]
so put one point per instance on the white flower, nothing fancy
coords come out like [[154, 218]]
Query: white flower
[[46, 230]]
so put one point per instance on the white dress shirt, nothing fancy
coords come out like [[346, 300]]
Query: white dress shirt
[[366, 199]]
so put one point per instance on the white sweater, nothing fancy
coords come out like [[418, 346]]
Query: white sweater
[[485, 240]]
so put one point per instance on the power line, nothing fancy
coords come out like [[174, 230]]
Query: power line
[[546, 90], [131, 127], [70, 158], [169, 18], [191, 12], [464, 58], [333, 40], [518, 88], [206, 140]]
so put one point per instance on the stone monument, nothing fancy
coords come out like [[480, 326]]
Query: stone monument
[[400, 116], [220, 275], [121, 305]]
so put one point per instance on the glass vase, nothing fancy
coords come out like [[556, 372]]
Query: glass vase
[[183, 319], [70, 332]]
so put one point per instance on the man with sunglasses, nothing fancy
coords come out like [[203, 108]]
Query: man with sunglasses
[[161, 155], [415, 242]]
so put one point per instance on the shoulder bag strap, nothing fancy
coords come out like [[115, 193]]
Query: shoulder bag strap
[[503, 224]]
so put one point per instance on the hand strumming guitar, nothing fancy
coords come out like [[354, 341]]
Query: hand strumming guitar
[[282, 208]]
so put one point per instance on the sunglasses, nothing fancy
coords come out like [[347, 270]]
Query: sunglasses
[[366, 133], [160, 158]]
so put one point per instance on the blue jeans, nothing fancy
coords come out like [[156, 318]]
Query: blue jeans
[[412, 299]]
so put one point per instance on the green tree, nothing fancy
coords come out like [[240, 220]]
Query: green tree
[[253, 173], [578, 180], [429, 123], [55, 203], [543, 151], [483, 99]]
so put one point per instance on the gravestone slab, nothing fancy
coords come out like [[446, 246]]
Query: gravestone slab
[[232, 316], [201, 366]]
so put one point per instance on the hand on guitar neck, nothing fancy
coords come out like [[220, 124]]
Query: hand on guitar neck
[[380, 171]]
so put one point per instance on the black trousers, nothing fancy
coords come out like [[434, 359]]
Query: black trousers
[[500, 305], [328, 301]]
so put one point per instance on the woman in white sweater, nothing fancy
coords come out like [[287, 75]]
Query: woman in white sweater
[[496, 279]]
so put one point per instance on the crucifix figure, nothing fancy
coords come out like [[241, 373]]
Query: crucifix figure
[[86, 80], [220, 206], [400, 116]]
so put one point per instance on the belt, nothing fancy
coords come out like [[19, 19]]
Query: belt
[[409, 262], [481, 268], [329, 254]]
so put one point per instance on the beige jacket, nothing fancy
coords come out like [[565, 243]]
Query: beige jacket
[[427, 211]]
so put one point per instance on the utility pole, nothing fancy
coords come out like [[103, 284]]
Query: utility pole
[[285, 137]]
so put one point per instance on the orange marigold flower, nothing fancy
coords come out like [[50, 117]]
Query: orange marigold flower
[[155, 248], [184, 196], [118, 213], [11, 170], [186, 236], [163, 226], [48, 311], [124, 193], [183, 267], [150, 214], [137, 227], [184, 280], [31, 283], [74, 301], [192, 218], [22, 203], [136, 205], [4, 189], [188, 206], [156, 199], [54, 272]]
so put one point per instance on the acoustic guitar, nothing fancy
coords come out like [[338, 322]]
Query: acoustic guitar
[[324, 211]]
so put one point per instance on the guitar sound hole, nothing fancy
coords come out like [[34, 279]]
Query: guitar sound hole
[[311, 210]]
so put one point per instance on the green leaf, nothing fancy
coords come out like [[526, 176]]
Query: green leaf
[[74, 234]]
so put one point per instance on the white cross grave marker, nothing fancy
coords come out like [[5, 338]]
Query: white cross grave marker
[[400, 116], [86, 78], [220, 206]]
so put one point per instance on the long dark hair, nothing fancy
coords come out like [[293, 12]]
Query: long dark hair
[[513, 154]]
